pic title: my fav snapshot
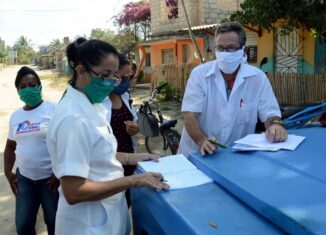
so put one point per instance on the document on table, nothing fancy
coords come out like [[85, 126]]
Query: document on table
[[259, 142], [177, 170]]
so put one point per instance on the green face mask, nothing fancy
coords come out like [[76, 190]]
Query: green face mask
[[98, 89], [30, 95]]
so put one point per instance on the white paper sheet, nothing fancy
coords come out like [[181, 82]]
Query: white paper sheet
[[260, 141], [177, 170]]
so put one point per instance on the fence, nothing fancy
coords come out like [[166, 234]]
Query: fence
[[289, 88]]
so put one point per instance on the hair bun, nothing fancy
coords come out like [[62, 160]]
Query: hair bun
[[79, 41], [72, 50]]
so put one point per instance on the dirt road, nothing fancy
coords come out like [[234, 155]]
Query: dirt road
[[10, 102]]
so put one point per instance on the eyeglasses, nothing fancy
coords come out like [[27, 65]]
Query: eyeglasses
[[109, 77], [104, 77], [227, 49]]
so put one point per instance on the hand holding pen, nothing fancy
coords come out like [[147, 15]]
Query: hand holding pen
[[209, 145]]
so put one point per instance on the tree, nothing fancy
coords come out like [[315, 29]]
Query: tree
[[3, 56], [104, 35], [124, 40], [56, 44], [173, 8], [291, 14], [24, 50], [136, 15]]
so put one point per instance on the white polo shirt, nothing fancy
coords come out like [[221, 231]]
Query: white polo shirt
[[227, 119], [81, 143]]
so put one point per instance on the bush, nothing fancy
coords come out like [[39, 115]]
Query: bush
[[168, 93]]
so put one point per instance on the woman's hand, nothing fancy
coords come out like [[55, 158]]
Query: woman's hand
[[140, 157], [54, 183], [153, 180], [12, 179], [131, 127]]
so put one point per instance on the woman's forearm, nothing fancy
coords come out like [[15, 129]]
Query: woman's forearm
[[77, 189], [9, 156]]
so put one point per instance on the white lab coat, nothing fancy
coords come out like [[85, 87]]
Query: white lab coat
[[125, 97], [81, 143], [227, 119]]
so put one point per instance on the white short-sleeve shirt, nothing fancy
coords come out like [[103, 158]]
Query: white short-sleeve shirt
[[81, 143], [28, 129], [227, 119]]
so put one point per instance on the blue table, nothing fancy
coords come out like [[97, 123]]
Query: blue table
[[286, 188]]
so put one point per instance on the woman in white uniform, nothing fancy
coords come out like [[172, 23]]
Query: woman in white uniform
[[83, 148], [33, 183]]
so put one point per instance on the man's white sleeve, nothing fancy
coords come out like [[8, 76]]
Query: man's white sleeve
[[267, 105], [194, 96]]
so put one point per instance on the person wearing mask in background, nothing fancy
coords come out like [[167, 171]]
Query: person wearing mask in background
[[84, 149], [33, 184], [224, 98], [122, 114]]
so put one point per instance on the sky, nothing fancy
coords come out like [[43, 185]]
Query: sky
[[41, 21]]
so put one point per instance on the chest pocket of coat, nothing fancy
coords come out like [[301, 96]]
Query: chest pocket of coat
[[248, 113]]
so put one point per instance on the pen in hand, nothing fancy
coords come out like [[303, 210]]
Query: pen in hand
[[217, 144]]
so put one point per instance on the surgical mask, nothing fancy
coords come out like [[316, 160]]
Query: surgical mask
[[228, 62], [98, 89], [30, 95], [122, 87]]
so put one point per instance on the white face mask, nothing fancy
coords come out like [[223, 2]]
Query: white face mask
[[228, 62]]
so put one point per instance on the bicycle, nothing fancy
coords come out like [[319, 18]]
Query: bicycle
[[166, 131]]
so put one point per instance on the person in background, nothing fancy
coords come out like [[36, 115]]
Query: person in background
[[122, 114], [84, 149], [33, 184], [224, 98]]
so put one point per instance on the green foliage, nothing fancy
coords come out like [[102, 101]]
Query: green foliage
[[104, 35], [3, 56], [308, 14], [168, 93], [141, 77], [26, 54], [56, 44]]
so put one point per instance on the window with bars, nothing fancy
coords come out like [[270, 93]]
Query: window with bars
[[167, 56], [252, 54]]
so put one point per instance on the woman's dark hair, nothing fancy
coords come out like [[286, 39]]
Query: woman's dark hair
[[25, 71], [123, 60], [87, 53]]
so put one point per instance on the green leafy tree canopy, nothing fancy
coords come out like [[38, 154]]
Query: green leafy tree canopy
[[291, 14]]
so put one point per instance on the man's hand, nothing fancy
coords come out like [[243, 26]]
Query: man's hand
[[12, 179], [131, 127], [206, 146], [276, 133]]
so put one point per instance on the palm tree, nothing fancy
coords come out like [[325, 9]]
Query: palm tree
[[56, 44], [23, 46]]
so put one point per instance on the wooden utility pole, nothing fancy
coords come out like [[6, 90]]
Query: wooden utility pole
[[191, 34]]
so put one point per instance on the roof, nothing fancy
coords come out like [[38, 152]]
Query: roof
[[201, 27]]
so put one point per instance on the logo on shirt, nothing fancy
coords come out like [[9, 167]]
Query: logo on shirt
[[27, 126]]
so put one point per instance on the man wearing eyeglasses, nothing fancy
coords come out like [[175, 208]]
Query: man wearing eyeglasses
[[225, 97]]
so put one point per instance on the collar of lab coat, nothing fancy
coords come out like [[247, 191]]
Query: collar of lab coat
[[96, 113], [244, 72]]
